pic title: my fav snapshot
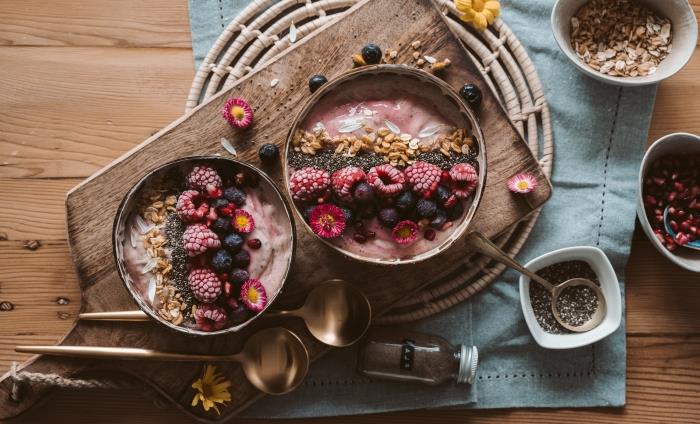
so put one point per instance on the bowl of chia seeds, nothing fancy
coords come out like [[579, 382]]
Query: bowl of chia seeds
[[577, 304]]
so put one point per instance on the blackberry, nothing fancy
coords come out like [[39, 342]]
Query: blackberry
[[372, 54], [235, 195], [221, 261], [439, 219], [241, 259], [426, 208], [268, 153], [455, 212], [238, 276], [316, 81], [472, 94], [363, 194], [233, 242], [222, 225], [388, 217], [405, 201]]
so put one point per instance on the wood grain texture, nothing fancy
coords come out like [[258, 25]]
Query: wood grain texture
[[93, 202], [123, 23], [96, 104], [662, 371]]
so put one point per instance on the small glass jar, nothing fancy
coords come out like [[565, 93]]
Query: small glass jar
[[418, 357]]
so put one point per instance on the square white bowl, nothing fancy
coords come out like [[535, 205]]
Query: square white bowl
[[608, 283]]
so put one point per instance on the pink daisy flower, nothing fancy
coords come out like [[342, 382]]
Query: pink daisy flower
[[238, 113], [405, 232], [253, 295], [242, 221], [327, 220], [522, 183]]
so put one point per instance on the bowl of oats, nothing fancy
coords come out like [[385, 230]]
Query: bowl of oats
[[626, 42]]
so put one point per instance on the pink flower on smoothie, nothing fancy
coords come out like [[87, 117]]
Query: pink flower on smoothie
[[242, 221], [522, 183], [405, 232], [253, 295], [238, 113], [327, 221]]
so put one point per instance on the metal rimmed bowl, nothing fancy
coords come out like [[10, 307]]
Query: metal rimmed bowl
[[437, 92], [173, 173]]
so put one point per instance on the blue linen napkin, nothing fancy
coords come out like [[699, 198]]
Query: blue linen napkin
[[599, 133]]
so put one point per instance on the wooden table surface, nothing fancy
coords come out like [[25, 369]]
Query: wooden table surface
[[82, 81]]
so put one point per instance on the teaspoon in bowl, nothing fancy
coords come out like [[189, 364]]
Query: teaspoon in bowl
[[274, 359], [482, 245]]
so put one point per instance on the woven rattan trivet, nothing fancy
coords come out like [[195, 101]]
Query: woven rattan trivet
[[266, 27]]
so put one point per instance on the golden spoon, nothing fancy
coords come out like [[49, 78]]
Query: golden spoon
[[479, 243], [335, 312], [274, 359]]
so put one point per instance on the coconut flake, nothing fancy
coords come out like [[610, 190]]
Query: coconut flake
[[228, 146], [274, 82], [349, 127], [133, 236], [150, 265], [392, 127], [292, 33], [430, 59], [151, 291], [430, 130], [318, 127], [142, 226]]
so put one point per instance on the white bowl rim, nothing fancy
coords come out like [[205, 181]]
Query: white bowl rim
[[622, 81], [641, 211], [610, 285]]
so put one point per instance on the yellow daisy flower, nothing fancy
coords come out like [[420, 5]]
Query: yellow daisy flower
[[212, 388], [479, 13]]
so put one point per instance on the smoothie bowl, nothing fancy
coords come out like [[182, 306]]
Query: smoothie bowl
[[204, 244], [386, 164]]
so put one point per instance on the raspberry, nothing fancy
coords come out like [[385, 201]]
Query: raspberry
[[205, 179], [197, 238], [204, 284], [210, 317], [309, 184], [344, 180], [423, 177], [464, 179], [191, 207], [386, 180]]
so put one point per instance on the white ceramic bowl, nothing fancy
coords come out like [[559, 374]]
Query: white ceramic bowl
[[672, 144], [608, 283], [685, 34]]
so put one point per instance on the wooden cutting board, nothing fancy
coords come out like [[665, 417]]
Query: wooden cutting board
[[92, 205]]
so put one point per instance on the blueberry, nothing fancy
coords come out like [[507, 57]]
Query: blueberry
[[388, 217], [235, 195], [426, 208], [241, 259], [349, 216], [316, 81], [222, 225], [268, 152], [441, 195], [439, 220], [405, 201], [220, 203], [472, 94], [372, 54], [367, 212], [221, 261], [363, 194], [238, 276], [233, 242], [240, 314], [306, 211], [455, 212]]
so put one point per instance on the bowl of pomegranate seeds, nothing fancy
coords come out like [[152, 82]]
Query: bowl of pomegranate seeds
[[669, 198], [386, 164], [204, 244]]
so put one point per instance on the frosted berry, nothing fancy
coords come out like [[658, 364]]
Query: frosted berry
[[464, 179], [205, 179], [210, 317], [423, 178], [426, 208], [221, 261], [235, 195], [309, 184], [198, 238], [405, 201], [344, 180], [222, 225], [388, 217], [191, 206], [386, 180], [204, 284], [233, 242], [238, 276]]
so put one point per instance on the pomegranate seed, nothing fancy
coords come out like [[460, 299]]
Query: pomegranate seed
[[370, 234], [429, 234], [254, 243], [360, 238]]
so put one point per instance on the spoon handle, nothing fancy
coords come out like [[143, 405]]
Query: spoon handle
[[114, 316], [481, 244], [97, 352]]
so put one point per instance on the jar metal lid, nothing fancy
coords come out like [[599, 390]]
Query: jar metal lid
[[468, 361]]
